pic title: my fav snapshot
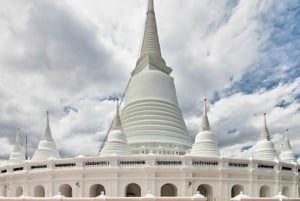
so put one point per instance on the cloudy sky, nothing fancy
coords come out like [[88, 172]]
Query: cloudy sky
[[73, 57]]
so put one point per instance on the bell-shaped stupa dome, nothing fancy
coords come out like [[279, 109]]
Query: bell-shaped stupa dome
[[205, 145], [47, 147], [264, 148], [116, 143]]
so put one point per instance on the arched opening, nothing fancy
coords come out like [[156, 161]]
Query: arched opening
[[206, 190], [285, 191], [236, 189], [4, 193], [39, 191], [96, 189], [133, 190], [19, 191], [168, 190], [65, 190], [264, 191]]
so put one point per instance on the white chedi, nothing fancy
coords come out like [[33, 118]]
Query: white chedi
[[264, 148], [287, 153], [17, 155], [116, 143], [205, 145], [151, 117], [47, 147]]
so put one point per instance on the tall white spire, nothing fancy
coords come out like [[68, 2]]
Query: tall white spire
[[116, 143], [17, 155], [151, 117], [47, 147], [205, 145], [286, 151], [150, 55], [264, 148]]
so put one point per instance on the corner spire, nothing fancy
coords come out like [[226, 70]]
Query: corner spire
[[150, 55], [47, 147], [265, 135], [287, 153], [17, 155], [205, 123], [117, 120]]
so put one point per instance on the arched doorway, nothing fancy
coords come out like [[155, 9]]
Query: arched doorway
[[66, 190], [264, 191], [285, 191], [169, 190], [236, 189], [96, 189], [133, 190], [39, 191], [4, 193], [206, 190], [19, 191]]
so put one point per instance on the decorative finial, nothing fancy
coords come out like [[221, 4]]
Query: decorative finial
[[47, 116], [205, 106], [205, 123], [17, 146], [117, 120], [265, 135], [150, 6], [47, 135]]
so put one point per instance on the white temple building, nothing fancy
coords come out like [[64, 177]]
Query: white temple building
[[148, 152]]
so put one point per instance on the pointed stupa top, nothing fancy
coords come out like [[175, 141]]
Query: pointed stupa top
[[286, 151], [47, 134], [264, 148], [286, 146], [18, 146], [265, 135], [116, 143], [205, 145], [47, 147], [150, 43], [205, 123], [117, 120], [17, 155], [150, 55]]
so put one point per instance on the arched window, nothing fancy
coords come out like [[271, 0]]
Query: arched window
[[285, 191], [96, 189], [66, 190], [264, 191], [168, 190], [236, 189], [19, 191], [39, 191], [206, 190], [133, 190]]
